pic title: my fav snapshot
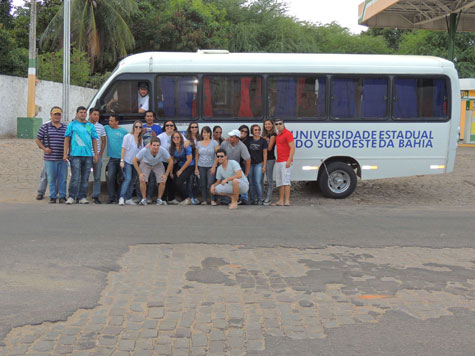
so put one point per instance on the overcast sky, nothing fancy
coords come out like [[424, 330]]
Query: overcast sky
[[344, 12]]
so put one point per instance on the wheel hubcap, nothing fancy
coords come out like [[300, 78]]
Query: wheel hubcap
[[339, 181]]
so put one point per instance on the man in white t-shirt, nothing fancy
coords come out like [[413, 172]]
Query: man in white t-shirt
[[151, 160], [230, 181], [94, 115], [143, 98]]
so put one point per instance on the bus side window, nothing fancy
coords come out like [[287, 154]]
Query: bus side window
[[121, 98]]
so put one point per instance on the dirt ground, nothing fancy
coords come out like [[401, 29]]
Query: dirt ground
[[21, 163]]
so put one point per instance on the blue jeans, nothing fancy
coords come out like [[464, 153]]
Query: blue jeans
[[206, 180], [97, 168], [57, 173], [113, 171], [270, 178], [255, 180], [43, 182], [80, 170], [126, 188]]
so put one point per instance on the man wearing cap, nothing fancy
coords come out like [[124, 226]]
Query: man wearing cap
[[230, 181], [143, 98], [50, 139], [236, 150]]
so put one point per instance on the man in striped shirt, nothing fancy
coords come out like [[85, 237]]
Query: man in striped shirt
[[50, 139], [94, 116]]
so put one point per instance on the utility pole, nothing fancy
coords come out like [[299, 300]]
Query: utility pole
[[31, 106], [66, 56]]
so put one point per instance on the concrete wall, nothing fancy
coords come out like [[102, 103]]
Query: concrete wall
[[13, 100]]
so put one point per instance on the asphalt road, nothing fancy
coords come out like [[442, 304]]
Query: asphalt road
[[55, 260]]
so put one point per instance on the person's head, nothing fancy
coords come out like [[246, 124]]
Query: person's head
[[81, 113], [169, 126], [221, 155], [154, 145], [192, 131], [206, 133], [137, 127], [268, 128], [244, 129], [234, 137], [255, 130], [113, 121], [217, 132], [149, 117], [143, 89], [94, 115], [56, 114], [279, 125], [177, 139]]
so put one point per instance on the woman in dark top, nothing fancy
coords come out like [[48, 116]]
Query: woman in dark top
[[244, 129], [183, 167], [268, 132], [257, 146]]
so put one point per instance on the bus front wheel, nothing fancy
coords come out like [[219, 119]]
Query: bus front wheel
[[337, 180]]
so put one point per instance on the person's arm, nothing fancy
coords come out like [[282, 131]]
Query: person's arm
[[189, 158], [264, 163], [213, 186], [122, 155], [248, 167], [94, 148], [41, 146], [169, 169], [67, 141], [137, 168], [291, 154], [103, 145], [197, 156], [237, 175], [271, 143]]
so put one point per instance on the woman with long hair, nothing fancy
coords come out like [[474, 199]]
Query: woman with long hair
[[217, 132], [258, 150], [192, 133], [183, 168], [268, 132], [244, 130], [131, 145], [204, 158]]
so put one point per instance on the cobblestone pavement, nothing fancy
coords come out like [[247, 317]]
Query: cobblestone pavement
[[21, 163], [196, 299]]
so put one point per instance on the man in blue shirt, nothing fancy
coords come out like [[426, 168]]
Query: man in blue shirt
[[115, 136], [80, 147]]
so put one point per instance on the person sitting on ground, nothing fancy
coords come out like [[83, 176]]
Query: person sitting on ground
[[230, 181], [151, 159], [184, 167]]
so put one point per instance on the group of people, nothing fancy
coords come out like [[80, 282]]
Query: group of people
[[227, 171]]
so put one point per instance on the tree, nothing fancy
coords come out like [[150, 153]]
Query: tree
[[5, 16], [50, 67], [98, 27]]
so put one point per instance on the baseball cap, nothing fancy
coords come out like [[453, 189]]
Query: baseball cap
[[56, 111], [234, 132], [143, 85]]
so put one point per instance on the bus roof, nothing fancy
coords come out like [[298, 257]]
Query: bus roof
[[224, 62]]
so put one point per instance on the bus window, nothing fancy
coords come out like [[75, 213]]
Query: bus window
[[291, 97], [232, 96], [176, 96], [123, 97], [420, 98], [359, 98]]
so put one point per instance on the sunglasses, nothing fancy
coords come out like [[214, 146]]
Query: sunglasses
[[256, 129], [138, 127], [169, 125], [176, 137], [193, 127], [279, 123], [244, 131], [218, 132], [220, 156]]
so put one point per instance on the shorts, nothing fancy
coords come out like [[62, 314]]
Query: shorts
[[158, 169], [228, 187], [282, 174]]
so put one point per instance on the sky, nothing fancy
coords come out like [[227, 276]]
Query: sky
[[344, 12]]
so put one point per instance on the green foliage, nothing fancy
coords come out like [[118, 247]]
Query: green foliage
[[5, 18], [188, 25], [50, 67], [13, 60], [97, 79]]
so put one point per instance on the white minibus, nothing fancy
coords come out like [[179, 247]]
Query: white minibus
[[367, 116]]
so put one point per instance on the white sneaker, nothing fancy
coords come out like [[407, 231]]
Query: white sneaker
[[130, 202], [187, 201], [161, 202], [121, 201], [70, 201], [143, 202], [173, 202], [83, 201], [195, 201]]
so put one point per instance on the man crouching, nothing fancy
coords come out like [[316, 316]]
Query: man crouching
[[230, 181], [151, 159]]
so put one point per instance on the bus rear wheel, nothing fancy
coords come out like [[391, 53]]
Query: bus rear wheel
[[337, 181]]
